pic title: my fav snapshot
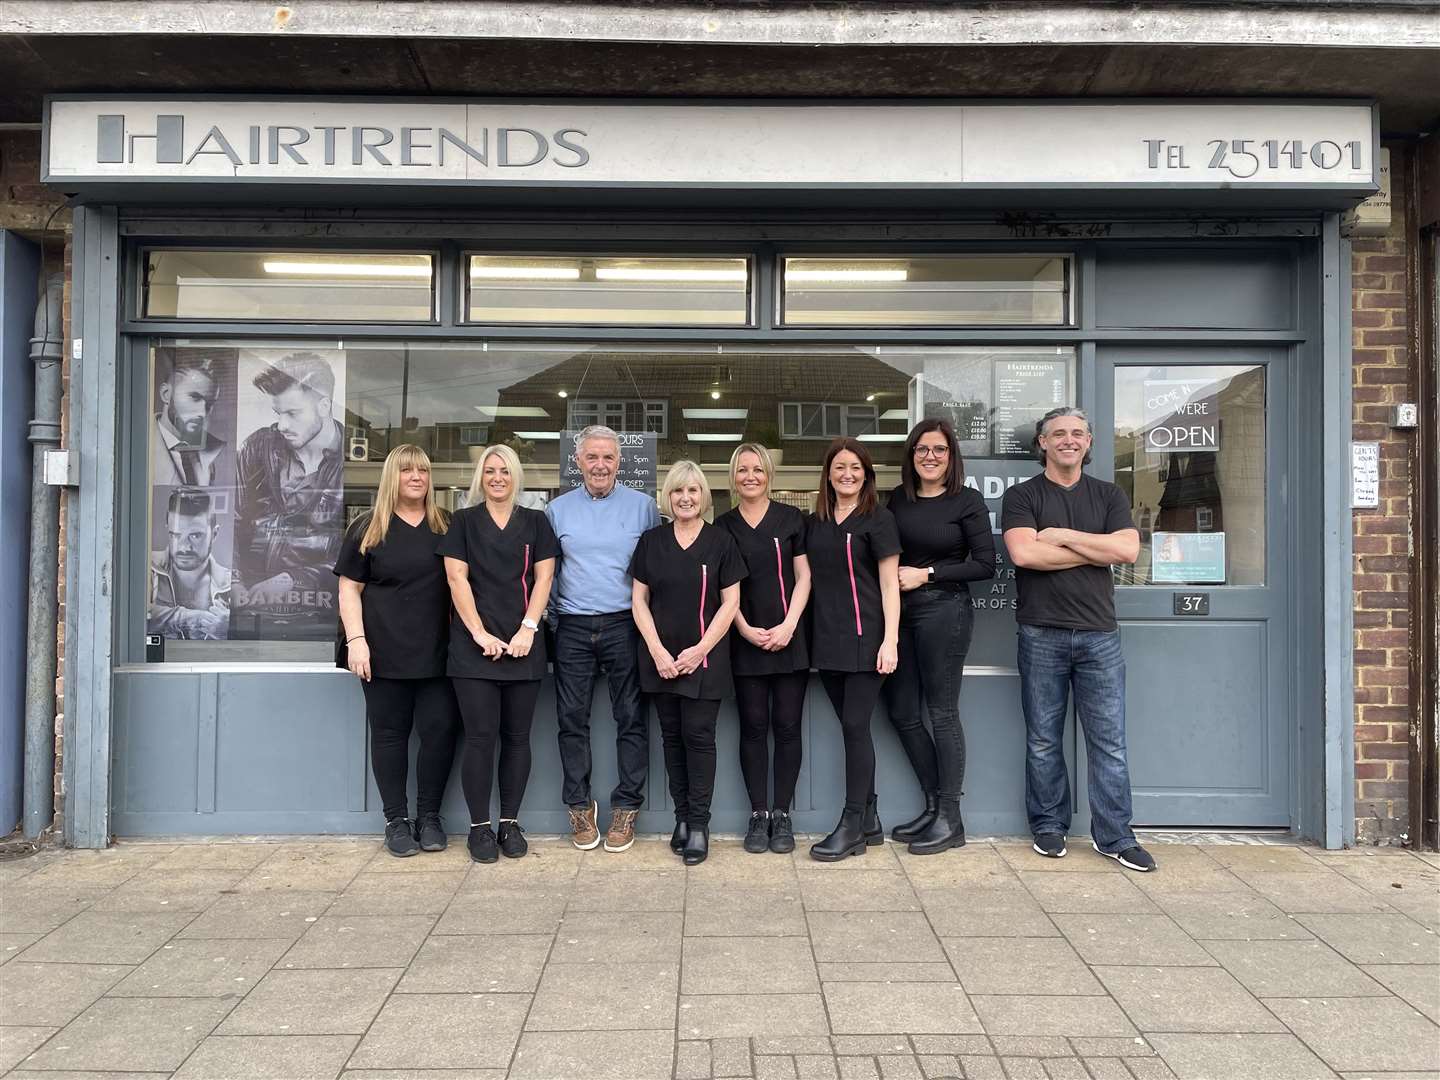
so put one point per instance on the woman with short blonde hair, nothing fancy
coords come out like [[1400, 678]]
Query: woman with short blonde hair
[[681, 473]]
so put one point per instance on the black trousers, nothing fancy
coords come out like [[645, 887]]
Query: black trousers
[[586, 645], [395, 707], [935, 629], [496, 710], [687, 733], [770, 703], [854, 695]]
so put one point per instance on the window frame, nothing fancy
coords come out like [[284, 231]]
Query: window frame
[[844, 408]]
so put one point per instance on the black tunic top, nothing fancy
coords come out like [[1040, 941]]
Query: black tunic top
[[769, 552], [406, 602], [846, 616], [685, 586], [949, 532], [502, 577]]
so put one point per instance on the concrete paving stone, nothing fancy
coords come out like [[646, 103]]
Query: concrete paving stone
[[461, 1031], [1368, 1075], [644, 890], [899, 1067], [951, 1044], [477, 964], [882, 857], [730, 1057], [284, 915], [1065, 1069], [423, 1074], [851, 936], [744, 912], [1266, 858], [320, 1002], [594, 1055], [1354, 1034], [1292, 969], [816, 1067], [879, 890], [1306, 892], [511, 913], [132, 1034], [1019, 966], [918, 1008], [1006, 910], [17, 1044], [216, 855], [973, 864], [339, 941], [39, 909], [1022, 1014], [549, 860], [648, 853], [857, 1068], [1102, 1068], [1151, 1069], [1419, 984], [1423, 909], [1089, 1046], [1035, 1046], [95, 937], [398, 894], [199, 968], [616, 936], [792, 1044], [51, 995], [730, 864], [1018, 1068], [295, 1057], [107, 869], [1388, 876], [310, 867], [169, 890], [1084, 894], [870, 1045], [724, 965], [605, 997], [1230, 915], [775, 1068], [941, 1066], [1186, 999], [981, 1067], [1376, 939], [1021, 857], [1152, 940], [692, 1059], [762, 1016], [12, 945], [455, 859], [1206, 1057], [1179, 880], [880, 971], [66, 1074], [13, 868]]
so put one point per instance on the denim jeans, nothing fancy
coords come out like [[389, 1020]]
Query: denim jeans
[[1054, 662], [586, 645]]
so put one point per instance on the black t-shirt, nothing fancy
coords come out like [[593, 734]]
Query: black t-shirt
[[949, 532], [406, 602], [502, 576], [769, 552], [685, 586], [847, 619], [1082, 597]]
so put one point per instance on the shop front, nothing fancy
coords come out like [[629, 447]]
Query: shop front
[[353, 275]]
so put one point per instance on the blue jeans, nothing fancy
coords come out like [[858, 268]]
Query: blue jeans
[[1054, 661], [585, 645]]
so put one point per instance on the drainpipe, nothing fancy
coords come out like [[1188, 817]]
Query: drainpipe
[[46, 349]]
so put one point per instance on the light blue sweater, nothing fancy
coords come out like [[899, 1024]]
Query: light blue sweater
[[597, 538]]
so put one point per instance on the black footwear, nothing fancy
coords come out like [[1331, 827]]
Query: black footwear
[[1050, 844], [847, 839], [757, 834], [903, 834], [697, 845], [677, 838], [400, 838], [430, 831], [482, 844], [946, 831], [512, 840], [782, 832], [1133, 858], [874, 831]]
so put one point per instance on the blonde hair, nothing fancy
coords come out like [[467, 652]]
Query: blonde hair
[[766, 462], [404, 456], [680, 473], [511, 462]]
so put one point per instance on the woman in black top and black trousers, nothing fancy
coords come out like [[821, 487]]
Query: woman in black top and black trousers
[[947, 543], [394, 611]]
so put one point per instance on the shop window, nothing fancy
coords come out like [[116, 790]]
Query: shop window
[[287, 286]]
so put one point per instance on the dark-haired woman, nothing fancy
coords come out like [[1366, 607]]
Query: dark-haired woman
[[946, 544], [854, 553]]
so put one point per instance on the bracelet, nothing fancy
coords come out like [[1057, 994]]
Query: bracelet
[[357, 637]]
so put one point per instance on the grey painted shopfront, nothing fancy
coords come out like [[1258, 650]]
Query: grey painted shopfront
[[784, 274]]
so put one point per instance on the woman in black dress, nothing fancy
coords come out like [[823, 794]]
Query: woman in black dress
[[946, 543], [686, 591], [854, 553], [500, 559], [771, 659], [394, 611]]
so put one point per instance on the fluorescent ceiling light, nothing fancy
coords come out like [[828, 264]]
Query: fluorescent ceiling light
[[715, 414], [881, 437], [646, 273], [704, 436], [853, 276], [539, 436], [526, 273], [347, 269], [511, 410], [895, 414]]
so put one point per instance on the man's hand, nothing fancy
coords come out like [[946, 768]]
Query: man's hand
[[1055, 535]]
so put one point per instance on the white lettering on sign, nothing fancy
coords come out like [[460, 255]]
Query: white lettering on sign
[[1182, 416], [1364, 475]]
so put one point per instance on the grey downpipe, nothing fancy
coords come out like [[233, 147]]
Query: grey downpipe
[[46, 351]]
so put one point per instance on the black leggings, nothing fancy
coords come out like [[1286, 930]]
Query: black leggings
[[687, 732], [853, 695], [393, 708], [492, 709], [767, 701]]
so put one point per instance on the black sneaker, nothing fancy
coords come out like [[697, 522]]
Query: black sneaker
[[430, 831], [1132, 858], [400, 838], [482, 844], [512, 840], [757, 835], [782, 832], [1050, 844]]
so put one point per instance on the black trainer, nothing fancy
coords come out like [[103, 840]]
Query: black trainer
[[400, 838], [782, 832], [757, 834], [1050, 844], [512, 840], [1132, 858], [430, 831], [482, 844]]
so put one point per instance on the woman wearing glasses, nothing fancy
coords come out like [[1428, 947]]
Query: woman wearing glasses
[[946, 544]]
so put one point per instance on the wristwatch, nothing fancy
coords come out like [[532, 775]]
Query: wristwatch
[[930, 573], [530, 624]]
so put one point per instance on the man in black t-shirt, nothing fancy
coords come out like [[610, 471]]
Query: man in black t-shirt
[[1064, 530]]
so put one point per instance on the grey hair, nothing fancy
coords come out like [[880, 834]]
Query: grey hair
[[1055, 414], [596, 431]]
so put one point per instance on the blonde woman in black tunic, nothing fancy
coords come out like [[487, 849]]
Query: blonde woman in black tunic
[[686, 589]]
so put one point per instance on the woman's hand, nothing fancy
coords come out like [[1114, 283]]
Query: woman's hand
[[521, 642], [689, 660], [887, 658], [490, 645], [779, 637], [912, 577], [664, 664], [755, 636], [358, 651]]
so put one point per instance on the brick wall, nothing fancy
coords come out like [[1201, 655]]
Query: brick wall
[[1384, 375]]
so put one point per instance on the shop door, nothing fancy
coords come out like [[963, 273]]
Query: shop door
[[1201, 446]]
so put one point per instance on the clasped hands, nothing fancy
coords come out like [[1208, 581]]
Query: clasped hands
[[496, 648]]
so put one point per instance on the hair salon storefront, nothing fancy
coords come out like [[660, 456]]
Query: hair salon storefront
[[349, 275]]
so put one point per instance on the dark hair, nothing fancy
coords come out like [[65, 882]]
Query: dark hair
[[1055, 414], [825, 497], [189, 502], [308, 370], [955, 470], [175, 363]]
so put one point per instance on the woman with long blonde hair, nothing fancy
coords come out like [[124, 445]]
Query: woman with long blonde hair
[[395, 613]]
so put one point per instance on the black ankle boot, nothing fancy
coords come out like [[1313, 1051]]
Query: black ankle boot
[[847, 839], [903, 834], [697, 845], [874, 831], [677, 838], [945, 832]]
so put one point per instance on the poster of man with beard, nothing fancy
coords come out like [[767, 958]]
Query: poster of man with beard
[[194, 419], [289, 514]]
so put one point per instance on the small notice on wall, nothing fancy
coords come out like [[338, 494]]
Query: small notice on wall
[[1364, 475]]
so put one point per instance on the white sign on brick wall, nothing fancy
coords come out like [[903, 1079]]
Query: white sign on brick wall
[[1364, 475]]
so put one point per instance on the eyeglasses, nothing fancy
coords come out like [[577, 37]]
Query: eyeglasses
[[932, 451]]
